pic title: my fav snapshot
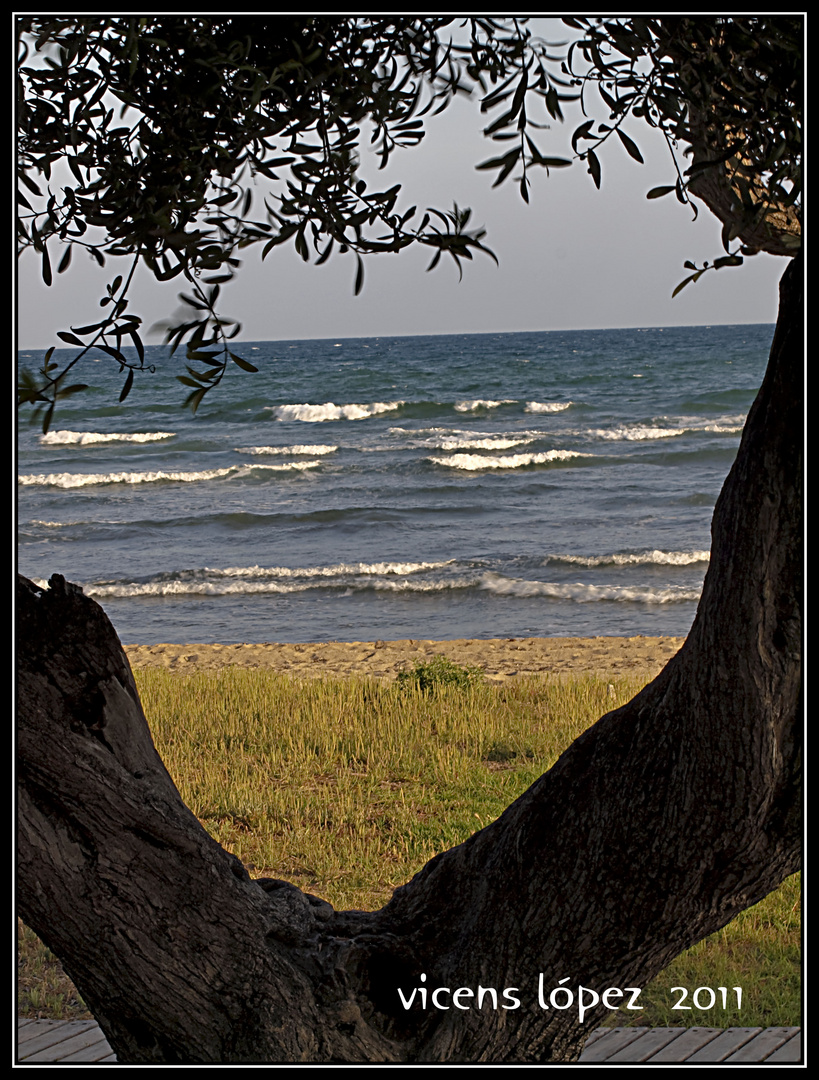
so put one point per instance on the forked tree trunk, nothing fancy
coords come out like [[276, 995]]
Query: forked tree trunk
[[655, 828]]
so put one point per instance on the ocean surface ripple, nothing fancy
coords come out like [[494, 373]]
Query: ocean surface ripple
[[489, 485]]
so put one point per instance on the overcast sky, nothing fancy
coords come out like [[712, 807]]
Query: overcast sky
[[574, 258]]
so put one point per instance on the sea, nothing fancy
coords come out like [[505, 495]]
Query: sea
[[427, 487]]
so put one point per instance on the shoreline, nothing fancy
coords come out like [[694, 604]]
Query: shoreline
[[499, 658]]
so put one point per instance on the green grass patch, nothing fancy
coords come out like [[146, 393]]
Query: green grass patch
[[44, 990], [348, 787], [429, 675]]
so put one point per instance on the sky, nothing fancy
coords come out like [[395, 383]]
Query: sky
[[574, 258]]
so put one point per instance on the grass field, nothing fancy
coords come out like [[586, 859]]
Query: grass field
[[348, 787]]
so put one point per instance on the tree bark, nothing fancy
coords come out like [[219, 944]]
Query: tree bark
[[654, 829], [736, 187], [766, 225]]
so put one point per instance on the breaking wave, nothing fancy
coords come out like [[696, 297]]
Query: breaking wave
[[273, 579], [644, 558], [77, 480], [546, 406], [88, 438], [494, 442], [396, 578], [442, 438], [476, 462], [314, 414], [583, 594], [481, 403], [314, 451], [377, 569], [683, 425]]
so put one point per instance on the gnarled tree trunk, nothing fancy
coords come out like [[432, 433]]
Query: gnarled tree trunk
[[655, 828]]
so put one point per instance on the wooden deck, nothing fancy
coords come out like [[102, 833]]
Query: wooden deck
[[694, 1046], [81, 1041], [68, 1041]]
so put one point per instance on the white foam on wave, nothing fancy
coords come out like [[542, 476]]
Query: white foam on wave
[[481, 403], [241, 587], [724, 429], [383, 577], [477, 462], [445, 438], [287, 466], [275, 579], [422, 586], [644, 558], [491, 443], [89, 438], [682, 425], [77, 480], [191, 588], [729, 423], [315, 451], [314, 414], [339, 570], [635, 433], [583, 594], [546, 406], [423, 431]]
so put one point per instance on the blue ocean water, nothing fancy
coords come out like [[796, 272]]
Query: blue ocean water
[[489, 485]]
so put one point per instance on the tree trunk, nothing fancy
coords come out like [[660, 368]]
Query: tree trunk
[[654, 829]]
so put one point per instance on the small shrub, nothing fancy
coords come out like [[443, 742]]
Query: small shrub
[[429, 675]]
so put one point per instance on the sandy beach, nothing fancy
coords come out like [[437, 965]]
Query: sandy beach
[[499, 658]]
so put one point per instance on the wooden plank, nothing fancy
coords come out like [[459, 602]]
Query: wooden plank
[[27, 1028], [614, 1040], [729, 1042], [789, 1053], [48, 1034], [89, 1045], [78, 1041], [691, 1040], [93, 1052], [643, 1049], [761, 1048], [595, 1035]]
